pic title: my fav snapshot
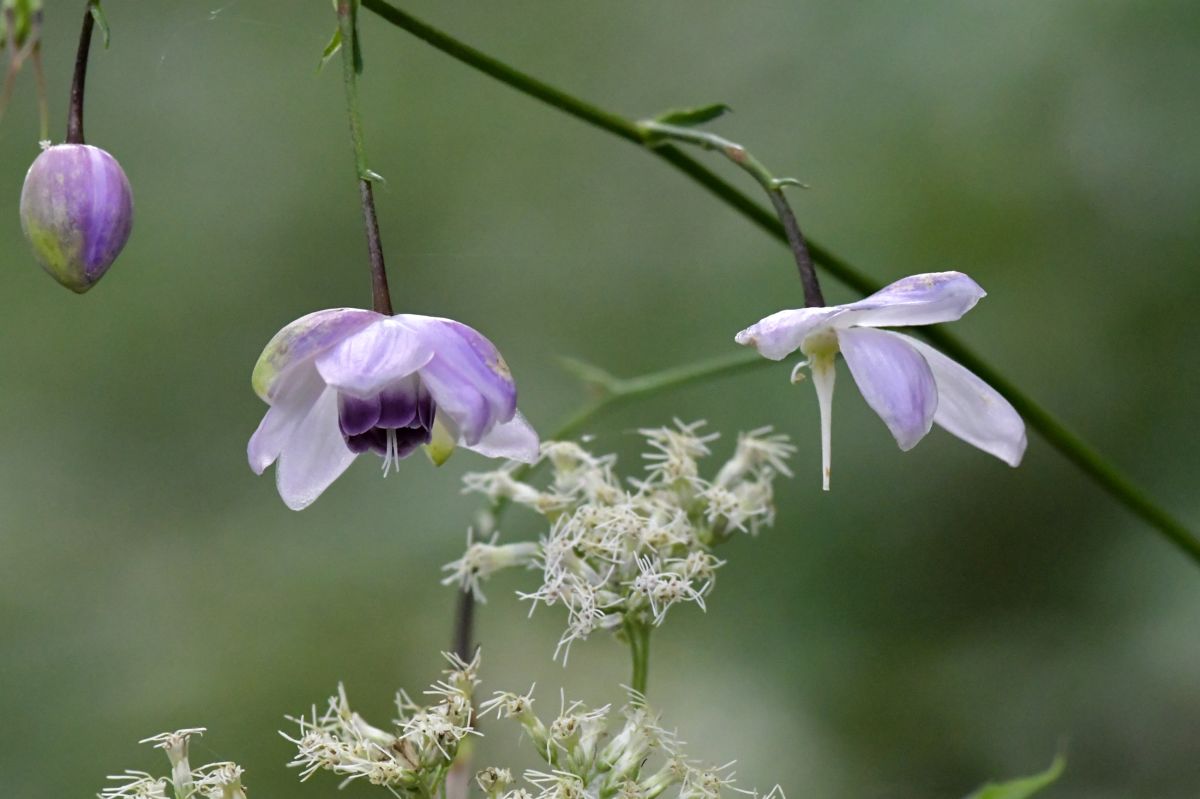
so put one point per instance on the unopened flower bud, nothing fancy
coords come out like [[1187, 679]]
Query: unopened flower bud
[[76, 211]]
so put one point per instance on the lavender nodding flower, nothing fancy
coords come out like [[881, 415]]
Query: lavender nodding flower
[[344, 381], [908, 383]]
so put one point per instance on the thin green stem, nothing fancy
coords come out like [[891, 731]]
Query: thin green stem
[[347, 12], [1103, 473]]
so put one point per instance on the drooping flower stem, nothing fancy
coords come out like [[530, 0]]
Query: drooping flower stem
[[75, 110], [381, 299], [660, 132], [638, 633], [1104, 474]]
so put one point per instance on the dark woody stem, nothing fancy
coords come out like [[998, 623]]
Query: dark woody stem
[[658, 133], [75, 112], [813, 298], [381, 299]]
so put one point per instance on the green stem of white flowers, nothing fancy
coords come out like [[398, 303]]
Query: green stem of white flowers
[[1089, 461], [638, 633]]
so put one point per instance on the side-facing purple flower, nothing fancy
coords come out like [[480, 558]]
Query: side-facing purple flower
[[344, 381], [908, 383]]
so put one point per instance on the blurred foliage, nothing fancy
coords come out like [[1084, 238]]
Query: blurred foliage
[[936, 620]]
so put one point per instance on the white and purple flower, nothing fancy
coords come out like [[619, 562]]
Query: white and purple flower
[[908, 383], [344, 381]]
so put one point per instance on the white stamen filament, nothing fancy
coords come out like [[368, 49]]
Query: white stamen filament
[[391, 457]]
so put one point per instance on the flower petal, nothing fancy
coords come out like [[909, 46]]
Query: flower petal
[[314, 455], [916, 300], [782, 333], [971, 409], [364, 363], [303, 340], [459, 404], [515, 439], [357, 416], [473, 358], [295, 395], [399, 402], [894, 380]]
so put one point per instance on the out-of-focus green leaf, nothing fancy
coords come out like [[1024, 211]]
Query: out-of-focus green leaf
[[688, 117], [1023, 787]]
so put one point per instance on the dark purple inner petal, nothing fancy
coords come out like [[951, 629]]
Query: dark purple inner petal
[[357, 416], [374, 439], [405, 411], [409, 438], [398, 405]]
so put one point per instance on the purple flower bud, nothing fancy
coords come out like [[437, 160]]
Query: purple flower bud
[[76, 211]]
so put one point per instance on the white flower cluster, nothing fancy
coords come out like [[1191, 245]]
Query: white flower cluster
[[412, 758], [222, 780], [640, 760], [619, 557]]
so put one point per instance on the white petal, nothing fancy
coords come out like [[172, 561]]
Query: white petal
[[894, 380], [314, 455], [971, 409], [915, 300], [823, 375], [782, 333], [515, 439], [364, 363], [295, 395]]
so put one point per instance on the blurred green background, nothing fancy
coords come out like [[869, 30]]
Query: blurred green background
[[935, 621]]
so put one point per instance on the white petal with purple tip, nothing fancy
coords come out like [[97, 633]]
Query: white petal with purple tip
[[363, 364], [515, 439], [895, 381], [314, 455], [971, 409]]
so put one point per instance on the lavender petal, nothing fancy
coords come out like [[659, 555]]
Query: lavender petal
[[895, 381]]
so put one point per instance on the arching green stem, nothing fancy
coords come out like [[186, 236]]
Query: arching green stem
[[1103, 473]]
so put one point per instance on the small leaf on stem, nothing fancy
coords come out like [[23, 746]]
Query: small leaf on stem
[[331, 49], [101, 22], [693, 116]]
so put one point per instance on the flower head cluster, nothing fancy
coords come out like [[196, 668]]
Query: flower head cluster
[[618, 554], [220, 780], [412, 757], [600, 753]]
